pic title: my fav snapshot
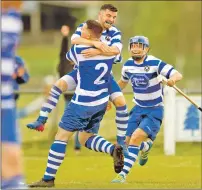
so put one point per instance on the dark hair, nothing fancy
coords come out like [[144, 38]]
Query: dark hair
[[95, 27], [109, 7]]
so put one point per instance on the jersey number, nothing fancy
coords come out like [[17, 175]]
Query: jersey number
[[98, 67]]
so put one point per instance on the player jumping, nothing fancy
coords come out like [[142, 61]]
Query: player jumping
[[86, 109]]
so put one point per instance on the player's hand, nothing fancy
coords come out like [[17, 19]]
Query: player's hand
[[109, 106], [170, 82], [121, 141], [38, 125], [102, 46], [20, 71], [90, 52], [65, 30]]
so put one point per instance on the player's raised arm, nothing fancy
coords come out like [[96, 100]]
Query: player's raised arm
[[64, 45]]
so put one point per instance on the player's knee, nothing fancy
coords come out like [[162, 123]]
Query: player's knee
[[137, 137], [119, 101], [83, 137], [62, 85], [63, 135]]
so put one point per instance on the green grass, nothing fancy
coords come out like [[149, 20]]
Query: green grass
[[95, 170], [91, 169]]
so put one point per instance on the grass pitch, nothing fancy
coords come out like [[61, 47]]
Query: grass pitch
[[95, 170]]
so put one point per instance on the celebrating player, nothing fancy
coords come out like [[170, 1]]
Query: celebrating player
[[146, 117], [111, 36], [109, 44], [86, 109], [11, 167]]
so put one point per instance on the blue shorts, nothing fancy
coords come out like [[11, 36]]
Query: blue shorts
[[114, 89], [82, 118], [147, 119], [9, 128]]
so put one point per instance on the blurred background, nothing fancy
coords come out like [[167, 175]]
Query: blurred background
[[174, 31]]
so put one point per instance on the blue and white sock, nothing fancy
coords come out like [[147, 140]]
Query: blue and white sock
[[130, 159], [16, 182], [99, 144], [51, 102], [144, 146], [121, 120], [55, 159]]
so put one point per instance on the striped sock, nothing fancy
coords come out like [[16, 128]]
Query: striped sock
[[121, 121], [51, 102], [130, 159], [55, 158], [144, 146], [99, 144]]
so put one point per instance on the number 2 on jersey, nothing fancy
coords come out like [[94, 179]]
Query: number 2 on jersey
[[98, 67]]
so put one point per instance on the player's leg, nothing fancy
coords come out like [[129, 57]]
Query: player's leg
[[149, 125], [118, 100], [77, 145], [11, 163], [153, 120], [55, 158], [57, 150], [92, 141], [66, 83]]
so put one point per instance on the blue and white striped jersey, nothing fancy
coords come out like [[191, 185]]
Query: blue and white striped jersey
[[148, 91], [11, 27], [111, 37], [93, 77]]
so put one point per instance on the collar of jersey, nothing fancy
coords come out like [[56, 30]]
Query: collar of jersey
[[140, 64]]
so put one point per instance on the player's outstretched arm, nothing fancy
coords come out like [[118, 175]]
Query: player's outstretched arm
[[81, 41], [93, 52], [50, 103]]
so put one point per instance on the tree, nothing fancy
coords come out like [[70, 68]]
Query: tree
[[192, 119]]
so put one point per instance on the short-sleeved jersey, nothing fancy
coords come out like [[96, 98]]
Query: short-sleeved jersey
[[93, 77], [148, 91], [11, 27], [111, 37]]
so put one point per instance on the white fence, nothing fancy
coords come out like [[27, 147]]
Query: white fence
[[182, 121]]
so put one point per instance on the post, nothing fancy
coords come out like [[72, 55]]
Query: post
[[169, 121]]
